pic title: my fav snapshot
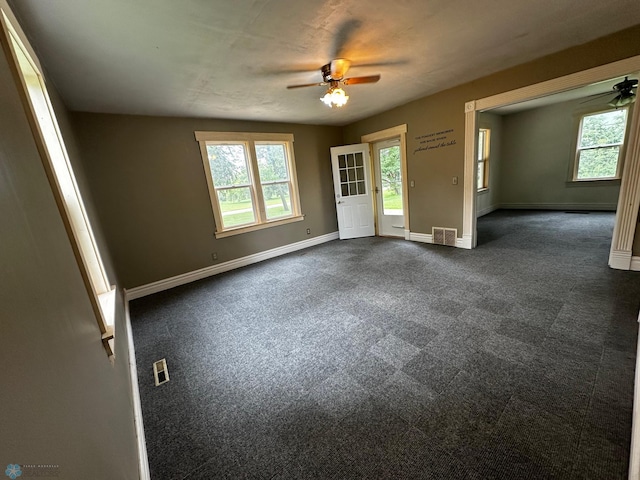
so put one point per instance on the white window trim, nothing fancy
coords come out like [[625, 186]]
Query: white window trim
[[55, 159], [621, 152], [203, 137]]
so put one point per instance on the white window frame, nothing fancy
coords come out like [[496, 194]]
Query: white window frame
[[483, 158], [578, 149], [249, 141], [55, 160]]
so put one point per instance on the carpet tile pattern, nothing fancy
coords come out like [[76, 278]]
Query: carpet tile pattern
[[387, 359]]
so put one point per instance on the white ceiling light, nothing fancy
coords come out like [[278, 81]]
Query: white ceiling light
[[335, 97]]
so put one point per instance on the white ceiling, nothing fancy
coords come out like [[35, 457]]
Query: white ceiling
[[234, 58]]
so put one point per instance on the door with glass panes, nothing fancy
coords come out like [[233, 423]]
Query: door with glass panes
[[352, 185]]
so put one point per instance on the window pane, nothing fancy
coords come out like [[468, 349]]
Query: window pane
[[228, 165], [391, 178], [598, 162], [277, 200], [481, 175], [481, 142], [603, 128], [272, 162], [236, 206]]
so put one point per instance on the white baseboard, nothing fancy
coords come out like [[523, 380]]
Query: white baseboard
[[143, 460], [560, 206], [634, 457], [465, 242], [205, 272], [487, 210], [635, 264], [620, 259], [421, 237]]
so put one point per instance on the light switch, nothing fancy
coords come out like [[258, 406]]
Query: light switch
[[413, 184], [455, 180]]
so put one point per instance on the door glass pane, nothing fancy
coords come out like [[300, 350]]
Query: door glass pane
[[391, 179], [361, 188], [342, 161], [345, 189], [359, 159], [236, 206], [352, 174], [352, 189], [350, 162], [277, 200]]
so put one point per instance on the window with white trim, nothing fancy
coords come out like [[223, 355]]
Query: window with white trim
[[600, 143], [251, 179], [55, 160], [484, 140]]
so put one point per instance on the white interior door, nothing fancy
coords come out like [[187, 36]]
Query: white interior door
[[352, 185], [388, 179]]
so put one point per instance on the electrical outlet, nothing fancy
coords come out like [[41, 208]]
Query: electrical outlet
[[214, 256], [308, 231]]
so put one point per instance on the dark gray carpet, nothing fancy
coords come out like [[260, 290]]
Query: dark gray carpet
[[379, 358]]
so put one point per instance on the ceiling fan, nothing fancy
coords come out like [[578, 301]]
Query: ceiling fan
[[333, 75], [626, 93]]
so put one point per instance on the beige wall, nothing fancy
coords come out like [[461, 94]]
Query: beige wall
[[435, 201], [62, 401], [148, 182], [488, 200], [538, 154]]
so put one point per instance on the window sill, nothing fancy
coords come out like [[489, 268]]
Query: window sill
[[593, 182], [483, 190], [251, 228]]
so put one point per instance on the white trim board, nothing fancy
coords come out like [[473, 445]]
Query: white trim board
[[488, 210], [143, 460], [205, 272], [609, 207]]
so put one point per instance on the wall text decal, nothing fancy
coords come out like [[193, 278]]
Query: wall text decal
[[434, 140]]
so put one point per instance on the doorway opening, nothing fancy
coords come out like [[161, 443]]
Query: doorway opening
[[387, 167], [629, 199]]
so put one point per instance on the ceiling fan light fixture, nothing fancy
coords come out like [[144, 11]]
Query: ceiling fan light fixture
[[622, 100], [335, 97]]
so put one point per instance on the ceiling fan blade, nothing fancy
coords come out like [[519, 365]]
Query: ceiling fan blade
[[319, 84], [596, 96], [356, 80], [339, 68]]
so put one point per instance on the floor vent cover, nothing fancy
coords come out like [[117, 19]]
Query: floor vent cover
[[445, 236], [160, 371]]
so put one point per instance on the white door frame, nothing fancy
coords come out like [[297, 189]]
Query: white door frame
[[629, 199], [398, 131]]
